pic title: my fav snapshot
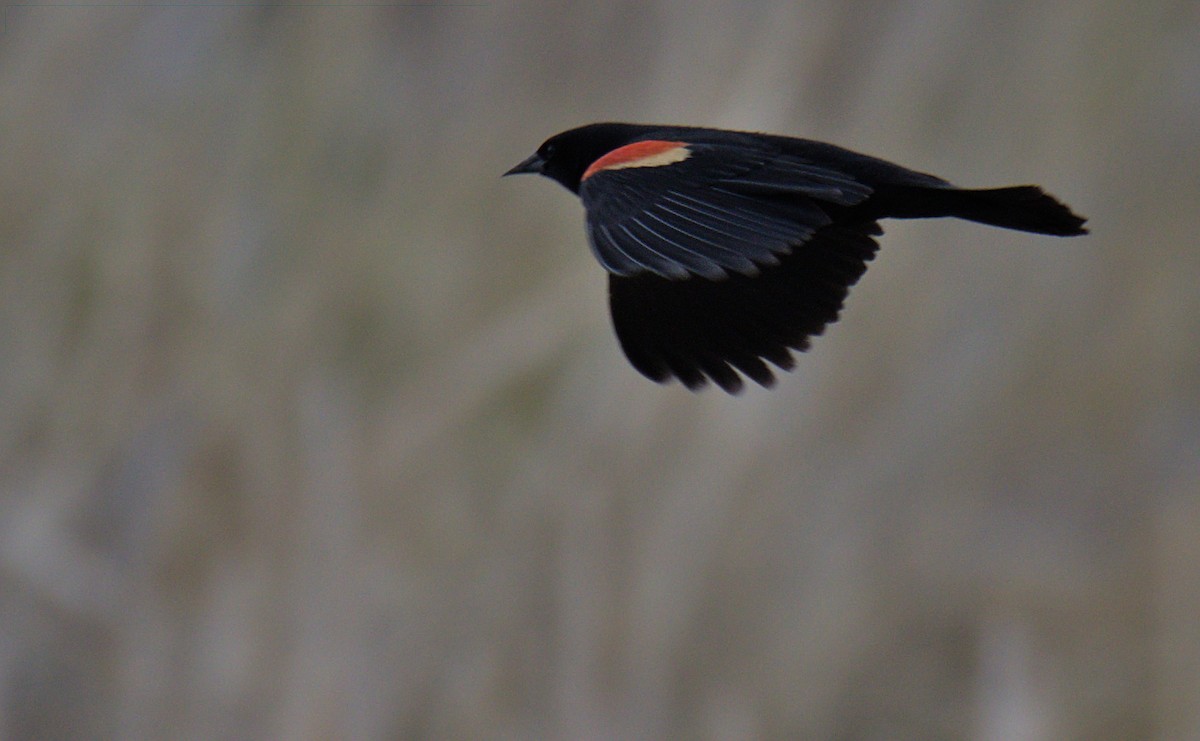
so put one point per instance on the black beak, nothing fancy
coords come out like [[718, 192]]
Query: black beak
[[532, 164]]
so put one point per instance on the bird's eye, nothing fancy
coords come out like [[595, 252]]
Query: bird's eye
[[547, 151]]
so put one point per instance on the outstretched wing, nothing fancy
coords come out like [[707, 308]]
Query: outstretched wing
[[697, 329], [675, 209]]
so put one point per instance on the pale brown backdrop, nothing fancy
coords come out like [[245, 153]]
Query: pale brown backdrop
[[313, 427]]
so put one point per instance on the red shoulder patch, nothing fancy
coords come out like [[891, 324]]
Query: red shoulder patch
[[652, 153]]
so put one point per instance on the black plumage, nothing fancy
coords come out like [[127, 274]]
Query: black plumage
[[727, 250]]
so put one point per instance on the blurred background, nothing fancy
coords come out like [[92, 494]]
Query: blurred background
[[312, 427]]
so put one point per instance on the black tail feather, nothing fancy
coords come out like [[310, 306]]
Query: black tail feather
[[1026, 208]]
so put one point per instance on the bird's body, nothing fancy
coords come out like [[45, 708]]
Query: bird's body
[[727, 249]]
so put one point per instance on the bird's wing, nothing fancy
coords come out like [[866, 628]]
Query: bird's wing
[[697, 330], [679, 209]]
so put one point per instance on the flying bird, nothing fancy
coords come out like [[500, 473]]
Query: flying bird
[[727, 250]]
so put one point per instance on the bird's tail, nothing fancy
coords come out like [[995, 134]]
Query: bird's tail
[[1026, 208]]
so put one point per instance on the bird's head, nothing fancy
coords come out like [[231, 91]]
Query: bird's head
[[565, 157]]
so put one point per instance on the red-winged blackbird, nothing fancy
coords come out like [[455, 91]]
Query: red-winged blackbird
[[725, 249]]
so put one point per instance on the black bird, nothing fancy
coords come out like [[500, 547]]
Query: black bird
[[726, 249]]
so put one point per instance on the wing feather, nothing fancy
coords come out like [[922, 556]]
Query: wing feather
[[699, 330], [725, 209]]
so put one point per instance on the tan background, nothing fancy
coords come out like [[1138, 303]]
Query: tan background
[[312, 427]]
